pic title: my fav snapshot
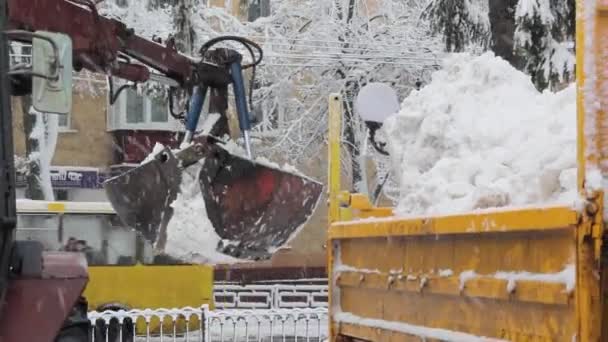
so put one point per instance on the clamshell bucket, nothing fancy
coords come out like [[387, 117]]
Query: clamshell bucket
[[254, 207]]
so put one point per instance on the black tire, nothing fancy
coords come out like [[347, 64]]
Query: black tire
[[73, 334], [76, 326]]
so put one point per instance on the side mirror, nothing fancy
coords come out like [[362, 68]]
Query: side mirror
[[52, 72]]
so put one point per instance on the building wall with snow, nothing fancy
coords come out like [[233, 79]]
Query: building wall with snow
[[84, 142]]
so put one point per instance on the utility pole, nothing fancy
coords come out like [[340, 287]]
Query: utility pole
[[350, 90]]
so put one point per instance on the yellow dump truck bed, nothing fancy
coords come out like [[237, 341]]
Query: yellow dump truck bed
[[506, 274], [518, 274]]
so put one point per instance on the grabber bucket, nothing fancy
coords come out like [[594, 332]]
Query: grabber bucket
[[256, 207]]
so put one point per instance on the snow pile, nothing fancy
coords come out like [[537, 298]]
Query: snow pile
[[190, 235], [481, 136]]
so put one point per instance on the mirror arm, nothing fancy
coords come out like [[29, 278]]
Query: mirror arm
[[35, 74]]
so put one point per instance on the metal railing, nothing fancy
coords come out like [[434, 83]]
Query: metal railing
[[204, 325], [262, 296]]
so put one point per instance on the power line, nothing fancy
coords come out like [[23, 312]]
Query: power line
[[337, 42], [324, 59], [346, 56], [347, 49]]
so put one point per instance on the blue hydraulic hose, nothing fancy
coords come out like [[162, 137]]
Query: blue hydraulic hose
[[196, 107]]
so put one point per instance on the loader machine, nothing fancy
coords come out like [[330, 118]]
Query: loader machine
[[254, 208]]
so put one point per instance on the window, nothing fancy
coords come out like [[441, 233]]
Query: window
[[26, 54], [20, 54], [257, 9], [39, 227], [132, 111], [61, 195], [64, 122], [135, 107], [158, 110]]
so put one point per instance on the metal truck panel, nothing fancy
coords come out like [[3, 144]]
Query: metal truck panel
[[143, 286], [43, 301], [490, 275], [522, 274]]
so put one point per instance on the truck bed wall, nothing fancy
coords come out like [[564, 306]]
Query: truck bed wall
[[504, 275]]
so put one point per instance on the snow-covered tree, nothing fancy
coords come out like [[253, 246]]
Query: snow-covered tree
[[461, 23], [534, 35], [544, 30], [316, 47], [313, 48], [185, 35]]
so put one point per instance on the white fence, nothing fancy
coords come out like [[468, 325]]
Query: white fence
[[273, 325], [278, 296]]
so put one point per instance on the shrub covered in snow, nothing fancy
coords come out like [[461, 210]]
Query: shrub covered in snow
[[479, 136]]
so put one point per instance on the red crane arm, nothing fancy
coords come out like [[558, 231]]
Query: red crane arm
[[98, 41]]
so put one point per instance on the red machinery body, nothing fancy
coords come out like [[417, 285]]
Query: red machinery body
[[37, 304], [258, 206], [98, 41]]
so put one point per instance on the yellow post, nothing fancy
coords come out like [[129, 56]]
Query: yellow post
[[591, 23], [592, 136], [334, 181], [580, 106], [335, 129]]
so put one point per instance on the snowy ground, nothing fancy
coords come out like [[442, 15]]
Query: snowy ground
[[481, 136]]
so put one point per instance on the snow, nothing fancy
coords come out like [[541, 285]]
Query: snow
[[45, 133], [591, 103], [145, 21], [481, 136], [533, 8], [466, 276], [158, 148], [209, 122], [235, 149], [21, 165], [477, 13], [410, 329], [566, 277], [347, 268], [190, 235], [446, 273]]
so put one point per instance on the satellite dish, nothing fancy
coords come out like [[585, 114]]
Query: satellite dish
[[376, 102]]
